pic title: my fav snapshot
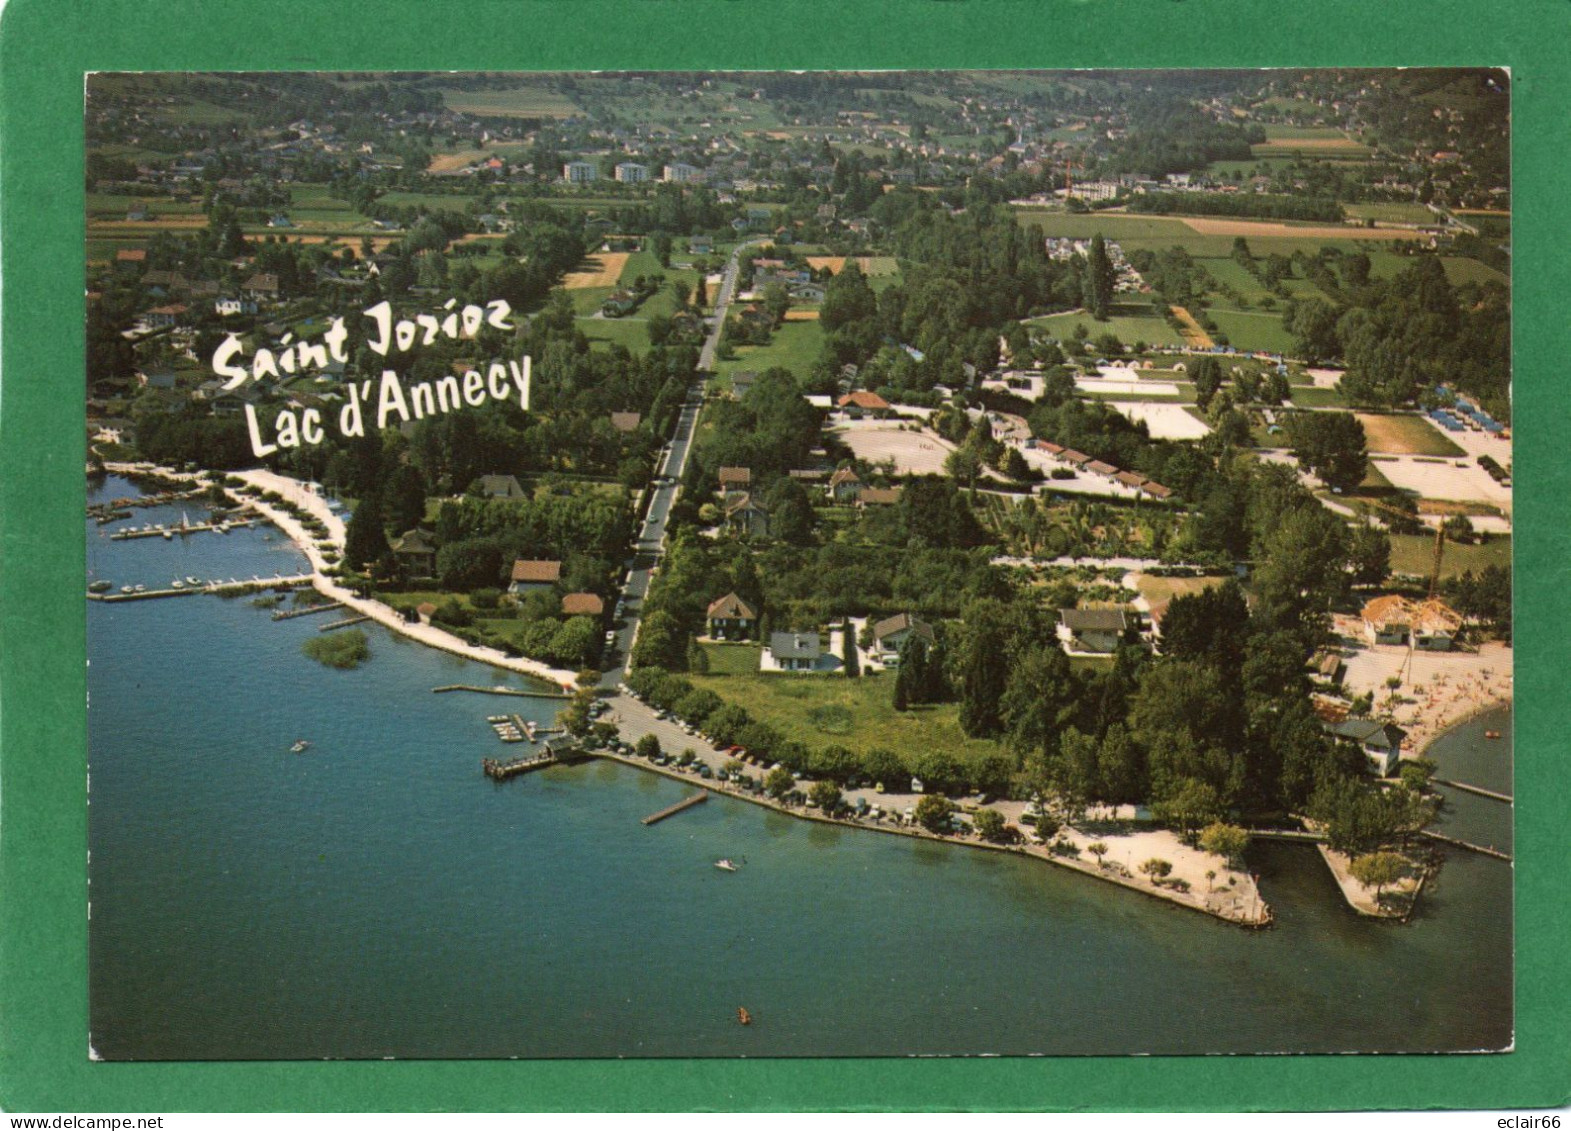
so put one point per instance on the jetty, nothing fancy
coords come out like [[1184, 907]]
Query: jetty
[[308, 610], [1456, 842], [672, 810], [256, 583], [501, 771], [182, 529], [1478, 789], [345, 623], [501, 691]]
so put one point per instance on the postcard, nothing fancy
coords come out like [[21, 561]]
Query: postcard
[[755, 564]]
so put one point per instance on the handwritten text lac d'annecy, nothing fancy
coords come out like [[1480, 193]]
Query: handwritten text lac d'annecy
[[498, 380]]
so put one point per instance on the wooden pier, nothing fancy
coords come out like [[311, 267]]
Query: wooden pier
[[501, 691], [183, 529], [672, 810], [1456, 843], [345, 623], [1478, 789], [309, 610], [292, 582], [501, 771]]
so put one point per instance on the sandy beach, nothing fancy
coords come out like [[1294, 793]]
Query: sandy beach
[[1439, 689]]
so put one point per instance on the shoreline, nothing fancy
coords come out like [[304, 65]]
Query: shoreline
[[378, 611], [1263, 920], [1445, 728]]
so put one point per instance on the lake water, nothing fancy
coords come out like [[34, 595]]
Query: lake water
[[377, 896]]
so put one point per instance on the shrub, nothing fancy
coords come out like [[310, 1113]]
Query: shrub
[[345, 649]]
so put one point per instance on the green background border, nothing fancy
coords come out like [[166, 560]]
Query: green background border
[[47, 45]]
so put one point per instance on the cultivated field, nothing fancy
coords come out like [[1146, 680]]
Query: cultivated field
[[913, 453], [1391, 212], [1165, 421], [1405, 435], [1251, 229], [603, 269], [868, 264], [1194, 333], [521, 102]]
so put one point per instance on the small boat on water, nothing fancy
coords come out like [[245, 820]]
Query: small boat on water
[[127, 589], [726, 864], [300, 746], [100, 586], [1491, 734], [141, 589], [177, 584], [193, 581], [168, 535], [743, 1017]]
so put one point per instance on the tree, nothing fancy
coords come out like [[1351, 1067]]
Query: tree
[[1156, 868], [848, 653], [983, 665], [1332, 445], [1099, 279], [1369, 555], [1098, 849], [1226, 841], [779, 782], [933, 812], [991, 826], [1207, 376], [1378, 870], [825, 795], [648, 746], [887, 770], [777, 300], [365, 540]]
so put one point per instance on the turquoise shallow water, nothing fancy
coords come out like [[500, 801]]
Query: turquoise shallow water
[[376, 896]]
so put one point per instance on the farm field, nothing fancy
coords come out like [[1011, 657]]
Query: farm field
[[858, 714], [1253, 229], [870, 265], [1391, 212], [1194, 334], [518, 102], [1253, 330], [795, 345], [603, 269], [1129, 328], [1460, 270], [1400, 434], [1415, 554]]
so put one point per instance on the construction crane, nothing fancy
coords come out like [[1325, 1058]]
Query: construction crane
[[1440, 552]]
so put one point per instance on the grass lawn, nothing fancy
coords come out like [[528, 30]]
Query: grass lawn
[[587, 300], [533, 101], [1158, 589], [1460, 270], [1253, 330], [1400, 434], [1415, 554], [1129, 328], [1305, 396], [859, 714], [1391, 212], [733, 659], [794, 345], [630, 332]]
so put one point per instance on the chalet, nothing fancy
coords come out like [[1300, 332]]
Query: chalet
[[502, 487], [1098, 467], [1388, 620], [745, 516], [1074, 459], [742, 382], [1156, 490], [626, 421], [166, 316], [1098, 631], [1380, 742], [878, 497], [1430, 626], [227, 306], [261, 286], [416, 554], [1052, 449], [166, 281], [844, 485], [890, 636], [1131, 479], [735, 479], [808, 292], [731, 618], [531, 576], [701, 245], [793, 651], [582, 605]]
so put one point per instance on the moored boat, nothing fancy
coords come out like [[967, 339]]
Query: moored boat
[[726, 864], [100, 586], [300, 746]]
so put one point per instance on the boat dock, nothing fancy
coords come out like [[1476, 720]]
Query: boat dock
[[1456, 843], [1478, 789], [501, 771], [345, 623], [672, 810], [501, 691], [183, 529], [291, 614], [216, 587]]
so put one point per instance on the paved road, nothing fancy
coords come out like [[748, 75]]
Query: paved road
[[650, 544]]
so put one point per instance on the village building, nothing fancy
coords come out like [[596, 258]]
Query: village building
[[1429, 626], [745, 516], [735, 479], [844, 485], [532, 576], [415, 551], [582, 605], [501, 487], [1095, 631], [862, 402], [1381, 742], [890, 636], [731, 618], [793, 651]]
